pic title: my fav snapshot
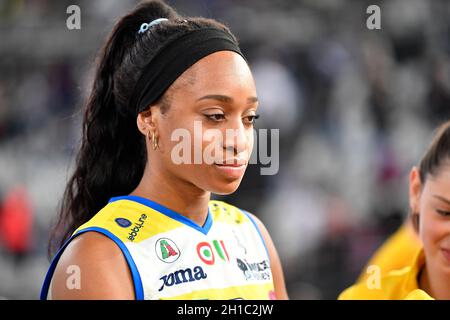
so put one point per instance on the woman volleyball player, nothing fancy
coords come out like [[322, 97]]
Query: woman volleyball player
[[428, 275], [134, 224]]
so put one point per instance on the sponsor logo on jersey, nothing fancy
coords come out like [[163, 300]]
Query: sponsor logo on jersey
[[255, 270], [122, 222], [167, 250], [206, 253], [137, 227], [182, 276]]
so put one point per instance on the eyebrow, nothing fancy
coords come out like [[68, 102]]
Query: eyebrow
[[225, 99], [442, 199]]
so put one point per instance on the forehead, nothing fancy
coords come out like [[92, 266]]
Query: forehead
[[221, 72], [440, 180]]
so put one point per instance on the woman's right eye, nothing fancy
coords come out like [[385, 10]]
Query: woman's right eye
[[217, 117], [443, 213]]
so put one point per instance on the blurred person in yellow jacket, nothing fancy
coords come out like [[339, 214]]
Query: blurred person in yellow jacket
[[427, 275], [397, 252]]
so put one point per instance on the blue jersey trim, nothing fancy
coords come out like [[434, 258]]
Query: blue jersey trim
[[51, 270], [257, 229], [170, 213], [138, 288]]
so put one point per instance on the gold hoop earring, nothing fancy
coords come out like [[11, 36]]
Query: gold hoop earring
[[154, 140]]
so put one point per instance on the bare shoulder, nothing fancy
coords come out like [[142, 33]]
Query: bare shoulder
[[260, 224], [92, 267], [277, 270]]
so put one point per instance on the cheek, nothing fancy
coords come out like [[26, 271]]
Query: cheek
[[432, 230], [251, 141], [176, 134]]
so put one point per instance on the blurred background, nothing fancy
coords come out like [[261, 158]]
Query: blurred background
[[355, 108]]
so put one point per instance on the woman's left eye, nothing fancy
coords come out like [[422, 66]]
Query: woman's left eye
[[443, 213], [251, 119], [215, 117]]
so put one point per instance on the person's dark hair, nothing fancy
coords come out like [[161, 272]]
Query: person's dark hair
[[437, 154], [112, 155]]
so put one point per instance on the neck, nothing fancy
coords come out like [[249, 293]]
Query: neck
[[435, 283], [176, 194]]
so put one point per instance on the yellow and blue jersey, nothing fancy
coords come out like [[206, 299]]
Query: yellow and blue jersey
[[171, 257]]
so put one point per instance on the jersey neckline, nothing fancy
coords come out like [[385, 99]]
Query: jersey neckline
[[169, 213]]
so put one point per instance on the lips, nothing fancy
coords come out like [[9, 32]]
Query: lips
[[232, 163], [233, 170]]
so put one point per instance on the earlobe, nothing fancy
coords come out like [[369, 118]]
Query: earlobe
[[146, 122]]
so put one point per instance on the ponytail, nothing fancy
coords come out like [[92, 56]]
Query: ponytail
[[112, 156]]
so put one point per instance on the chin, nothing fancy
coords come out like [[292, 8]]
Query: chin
[[225, 188]]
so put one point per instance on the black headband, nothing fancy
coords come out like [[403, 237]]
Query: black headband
[[175, 58]]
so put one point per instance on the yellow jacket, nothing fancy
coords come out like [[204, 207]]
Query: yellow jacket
[[396, 285], [397, 252]]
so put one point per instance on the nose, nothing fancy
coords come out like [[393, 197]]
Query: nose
[[237, 138]]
